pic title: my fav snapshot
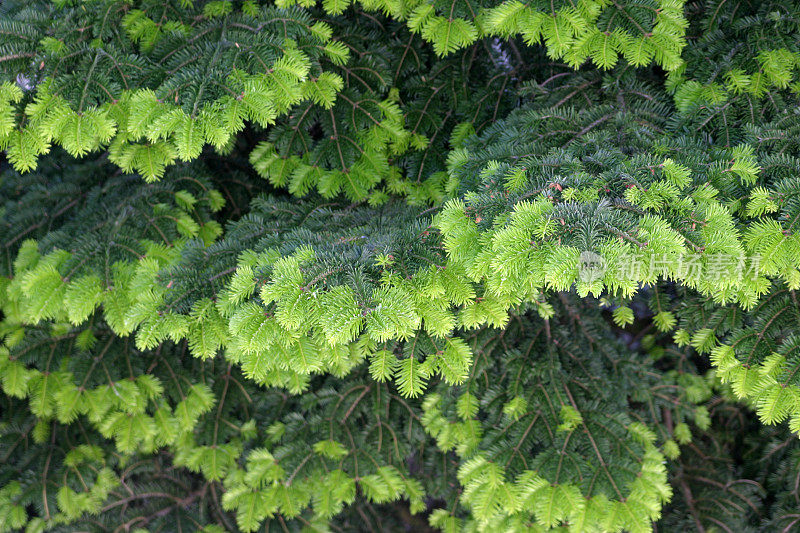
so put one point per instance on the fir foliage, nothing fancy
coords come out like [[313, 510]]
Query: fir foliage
[[464, 266]]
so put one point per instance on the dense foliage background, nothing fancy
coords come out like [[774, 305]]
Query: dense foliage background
[[399, 265]]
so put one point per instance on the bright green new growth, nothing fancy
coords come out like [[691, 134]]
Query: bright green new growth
[[380, 265], [127, 91]]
